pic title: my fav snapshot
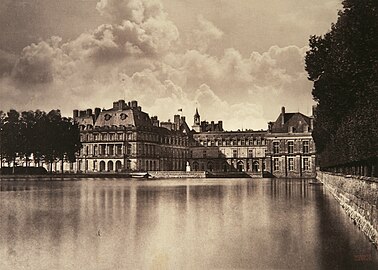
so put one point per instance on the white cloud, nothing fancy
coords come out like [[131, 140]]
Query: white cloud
[[204, 35], [137, 56]]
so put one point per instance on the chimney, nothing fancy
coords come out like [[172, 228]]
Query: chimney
[[134, 104], [97, 112], [115, 105], [121, 104], [313, 110], [89, 112], [75, 113], [282, 115], [155, 121], [220, 125], [82, 113], [176, 120]]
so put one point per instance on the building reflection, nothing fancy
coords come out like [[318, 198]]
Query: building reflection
[[199, 224]]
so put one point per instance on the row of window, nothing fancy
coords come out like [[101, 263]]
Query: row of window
[[235, 153], [305, 164], [174, 141], [119, 149], [232, 142], [290, 147], [105, 137], [129, 137], [103, 149], [239, 166]]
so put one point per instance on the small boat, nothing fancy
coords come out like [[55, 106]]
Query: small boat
[[140, 175]]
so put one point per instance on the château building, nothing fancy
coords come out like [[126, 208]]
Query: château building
[[124, 138], [290, 146], [216, 150]]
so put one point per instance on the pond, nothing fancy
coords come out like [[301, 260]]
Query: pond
[[177, 224]]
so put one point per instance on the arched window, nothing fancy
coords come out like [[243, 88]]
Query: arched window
[[110, 166], [240, 166], [118, 166], [102, 166], [255, 166]]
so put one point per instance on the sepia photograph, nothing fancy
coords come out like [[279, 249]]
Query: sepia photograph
[[188, 134]]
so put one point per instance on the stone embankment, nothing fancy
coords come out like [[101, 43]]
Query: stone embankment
[[358, 196], [60, 176], [177, 174]]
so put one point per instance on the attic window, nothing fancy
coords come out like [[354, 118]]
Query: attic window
[[123, 116], [107, 117]]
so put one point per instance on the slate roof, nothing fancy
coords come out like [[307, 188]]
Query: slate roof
[[127, 117], [298, 121]]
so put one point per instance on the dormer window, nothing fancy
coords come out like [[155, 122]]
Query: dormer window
[[123, 116], [107, 117]]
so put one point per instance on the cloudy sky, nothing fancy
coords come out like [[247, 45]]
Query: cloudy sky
[[236, 60]]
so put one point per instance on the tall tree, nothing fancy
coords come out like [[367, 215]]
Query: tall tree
[[11, 137], [28, 135], [343, 64], [48, 137]]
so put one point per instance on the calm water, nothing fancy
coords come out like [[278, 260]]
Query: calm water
[[183, 224]]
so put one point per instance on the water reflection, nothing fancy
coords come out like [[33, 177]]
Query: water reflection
[[186, 224]]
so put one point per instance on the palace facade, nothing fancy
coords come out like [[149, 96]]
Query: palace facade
[[216, 150], [124, 138], [290, 147], [286, 149]]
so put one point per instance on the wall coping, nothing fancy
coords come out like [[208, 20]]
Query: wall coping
[[364, 178]]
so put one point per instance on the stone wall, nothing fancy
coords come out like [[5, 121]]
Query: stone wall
[[358, 196], [177, 174]]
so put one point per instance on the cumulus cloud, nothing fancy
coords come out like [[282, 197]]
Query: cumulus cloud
[[133, 10], [204, 35], [39, 62], [136, 56], [144, 31]]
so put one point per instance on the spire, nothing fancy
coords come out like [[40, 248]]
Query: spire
[[197, 118], [197, 114]]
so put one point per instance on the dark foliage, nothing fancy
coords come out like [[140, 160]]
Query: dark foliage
[[343, 64], [44, 137]]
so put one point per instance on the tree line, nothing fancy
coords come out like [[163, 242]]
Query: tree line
[[343, 64], [38, 136]]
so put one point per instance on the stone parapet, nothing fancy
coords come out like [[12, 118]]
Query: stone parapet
[[358, 196]]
